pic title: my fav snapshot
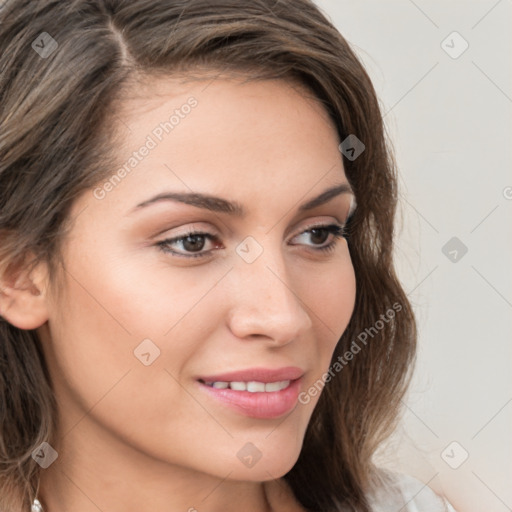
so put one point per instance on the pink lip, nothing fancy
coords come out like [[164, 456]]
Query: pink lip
[[257, 374], [261, 405]]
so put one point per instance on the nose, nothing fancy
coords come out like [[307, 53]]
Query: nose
[[265, 303]]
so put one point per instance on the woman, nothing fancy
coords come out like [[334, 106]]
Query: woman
[[199, 306]]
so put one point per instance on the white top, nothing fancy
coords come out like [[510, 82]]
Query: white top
[[398, 493], [404, 493]]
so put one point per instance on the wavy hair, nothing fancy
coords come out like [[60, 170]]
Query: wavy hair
[[56, 114]]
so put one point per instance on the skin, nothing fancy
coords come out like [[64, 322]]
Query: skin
[[133, 437]]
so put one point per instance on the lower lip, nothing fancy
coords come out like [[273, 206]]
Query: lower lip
[[262, 405]]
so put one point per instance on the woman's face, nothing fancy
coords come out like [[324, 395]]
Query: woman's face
[[147, 318]]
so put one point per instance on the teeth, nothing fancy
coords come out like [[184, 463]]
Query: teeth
[[277, 386], [252, 386]]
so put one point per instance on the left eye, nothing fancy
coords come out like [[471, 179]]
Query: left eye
[[192, 245], [318, 235], [188, 244]]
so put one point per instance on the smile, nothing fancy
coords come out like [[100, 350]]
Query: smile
[[255, 399], [251, 386]]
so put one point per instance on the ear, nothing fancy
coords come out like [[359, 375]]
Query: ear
[[23, 301]]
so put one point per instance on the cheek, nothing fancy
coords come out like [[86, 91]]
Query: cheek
[[329, 294], [330, 298], [97, 377], [114, 317]]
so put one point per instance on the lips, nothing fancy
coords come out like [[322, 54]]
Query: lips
[[260, 393], [256, 374]]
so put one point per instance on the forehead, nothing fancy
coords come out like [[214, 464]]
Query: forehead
[[252, 118], [232, 101], [247, 140]]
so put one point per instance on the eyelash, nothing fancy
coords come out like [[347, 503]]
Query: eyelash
[[336, 230]]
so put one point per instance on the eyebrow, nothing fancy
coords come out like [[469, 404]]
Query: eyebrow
[[220, 205]]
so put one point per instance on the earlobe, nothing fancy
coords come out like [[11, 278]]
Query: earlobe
[[23, 301]]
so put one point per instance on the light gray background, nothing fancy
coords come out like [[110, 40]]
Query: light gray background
[[450, 122]]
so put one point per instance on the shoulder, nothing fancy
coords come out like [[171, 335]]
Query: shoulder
[[398, 492]]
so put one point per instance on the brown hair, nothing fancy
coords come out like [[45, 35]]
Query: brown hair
[[55, 143]]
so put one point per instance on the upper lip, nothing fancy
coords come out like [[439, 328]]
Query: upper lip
[[257, 375]]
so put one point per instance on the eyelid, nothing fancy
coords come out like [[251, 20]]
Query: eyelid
[[321, 224], [321, 221], [213, 234], [187, 229]]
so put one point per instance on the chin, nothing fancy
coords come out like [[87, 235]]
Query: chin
[[262, 472], [267, 460]]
